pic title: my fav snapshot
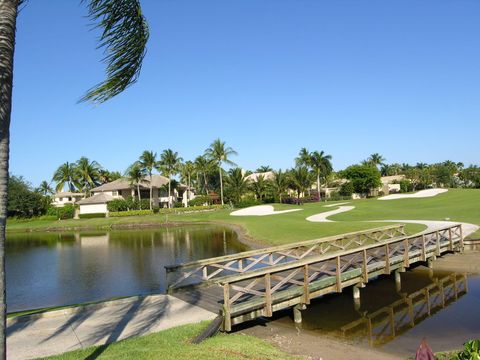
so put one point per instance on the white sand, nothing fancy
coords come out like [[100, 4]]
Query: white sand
[[322, 217], [260, 210], [419, 194]]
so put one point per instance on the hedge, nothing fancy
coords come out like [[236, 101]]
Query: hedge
[[91, 216], [166, 210], [129, 213]]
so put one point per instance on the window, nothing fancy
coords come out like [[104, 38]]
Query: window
[[69, 198]]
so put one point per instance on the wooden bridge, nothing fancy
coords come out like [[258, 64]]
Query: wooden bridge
[[257, 283]]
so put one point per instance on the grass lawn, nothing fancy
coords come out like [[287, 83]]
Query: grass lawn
[[174, 344], [456, 204]]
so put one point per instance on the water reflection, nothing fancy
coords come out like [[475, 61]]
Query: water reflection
[[387, 312], [52, 269]]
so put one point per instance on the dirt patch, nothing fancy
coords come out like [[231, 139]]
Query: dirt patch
[[312, 345]]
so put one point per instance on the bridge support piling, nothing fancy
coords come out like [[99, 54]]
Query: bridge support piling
[[398, 281], [356, 296], [430, 262], [297, 313]]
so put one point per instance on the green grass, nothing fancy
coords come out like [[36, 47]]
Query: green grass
[[457, 204], [175, 344]]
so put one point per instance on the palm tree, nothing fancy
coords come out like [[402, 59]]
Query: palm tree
[[264, 169], [170, 164], [187, 170], [135, 175], [87, 174], [66, 174], [259, 187], [219, 153], [376, 159], [303, 158], [321, 165], [236, 184], [124, 38], [301, 180], [148, 163], [203, 166], [45, 189], [279, 184]]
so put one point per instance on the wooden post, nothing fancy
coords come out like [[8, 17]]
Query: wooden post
[[268, 296], [437, 235], [406, 254], [339, 275], [424, 250], [205, 273], [306, 284], [398, 281], [450, 246], [227, 321], [461, 238], [365, 267], [387, 259]]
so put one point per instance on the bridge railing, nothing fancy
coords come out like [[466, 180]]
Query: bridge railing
[[263, 291], [196, 272]]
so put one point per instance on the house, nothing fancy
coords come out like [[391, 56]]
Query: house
[[123, 188], [391, 184], [63, 198]]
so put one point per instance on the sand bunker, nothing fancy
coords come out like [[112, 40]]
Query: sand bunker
[[419, 194], [260, 210]]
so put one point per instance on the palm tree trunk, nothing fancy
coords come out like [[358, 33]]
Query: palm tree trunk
[[151, 193], [205, 184], [138, 194], [8, 18], [318, 186], [169, 192], [221, 184], [188, 192]]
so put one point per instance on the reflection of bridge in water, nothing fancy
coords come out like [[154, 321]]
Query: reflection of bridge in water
[[384, 324]]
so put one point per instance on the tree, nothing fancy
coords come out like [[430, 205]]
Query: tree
[[148, 163], [279, 184], [203, 166], [124, 38], [135, 174], [303, 158], [321, 165], [259, 187], [66, 174], [22, 200], [219, 154], [87, 174], [187, 171], [236, 185], [264, 169], [44, 189], [364, 178], [170, 164], [301, 180], [376, 159]]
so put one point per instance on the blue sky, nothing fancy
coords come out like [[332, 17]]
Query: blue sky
[[267, 76]]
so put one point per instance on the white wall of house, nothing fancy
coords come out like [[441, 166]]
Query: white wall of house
[[93, 208], [61, 201]]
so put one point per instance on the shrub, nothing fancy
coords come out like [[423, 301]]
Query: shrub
[[471, 350], [178, 204], [290, 200], [247, 202], [129, 213], [62, 213], [346, 189], [117, 205], [91, 216], [405, 186], [200, 200]]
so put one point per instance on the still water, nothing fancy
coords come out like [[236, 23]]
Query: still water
[[442, 307], [53, 269]]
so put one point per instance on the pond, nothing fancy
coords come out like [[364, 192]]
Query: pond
[[440, 306], [60, 268]]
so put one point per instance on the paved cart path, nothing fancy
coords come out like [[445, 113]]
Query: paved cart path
[[60, 331]]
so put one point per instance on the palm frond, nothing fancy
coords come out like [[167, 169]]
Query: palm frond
[[124, 38]]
